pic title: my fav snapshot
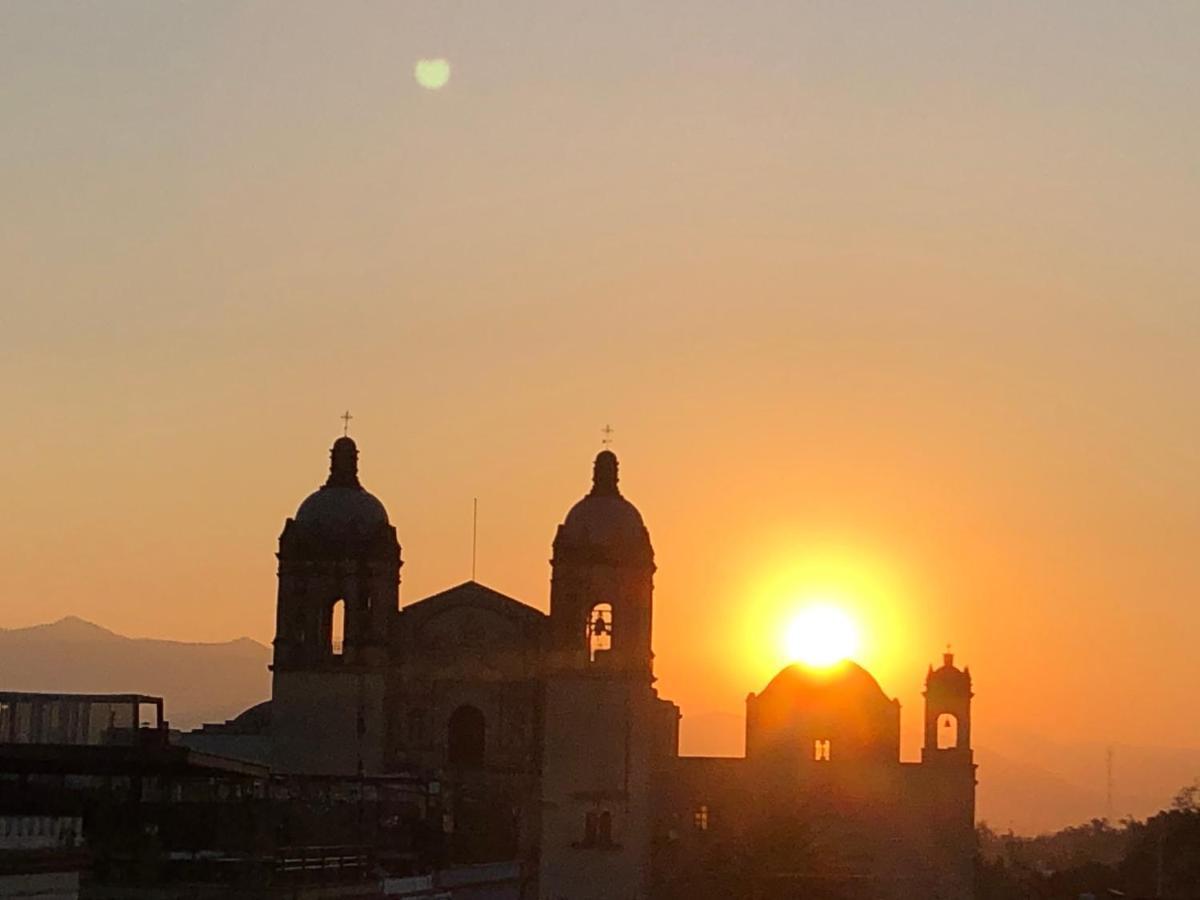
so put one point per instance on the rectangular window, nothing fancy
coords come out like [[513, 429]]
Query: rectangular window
[[821, 750], [700, 818]]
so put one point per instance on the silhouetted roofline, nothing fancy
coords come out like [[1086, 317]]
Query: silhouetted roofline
[[844, 676], [471, 593]]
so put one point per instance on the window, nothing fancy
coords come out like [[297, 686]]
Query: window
[[604, 829], [416, 728], [700, 818], [599, 629], [337, 627], [821, 750], [465, 738], [947, 732], [597, 829]]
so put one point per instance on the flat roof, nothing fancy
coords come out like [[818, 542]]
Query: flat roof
[[8, 696], [83, 759]]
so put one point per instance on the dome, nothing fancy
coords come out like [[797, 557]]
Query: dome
[[844, 684], [342, 504], [604, 518]]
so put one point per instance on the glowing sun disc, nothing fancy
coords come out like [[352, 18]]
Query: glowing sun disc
[[821, 636], [432, 74]]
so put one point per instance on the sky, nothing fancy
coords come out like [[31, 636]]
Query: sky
[[890, 305]]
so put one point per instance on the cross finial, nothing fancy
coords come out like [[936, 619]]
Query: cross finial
[[607, 431], [346, 417]]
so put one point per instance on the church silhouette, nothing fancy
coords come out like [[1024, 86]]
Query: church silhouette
[[550, 744]]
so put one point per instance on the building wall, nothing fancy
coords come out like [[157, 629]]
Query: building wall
[[600, 737], [863, 829], [315, 721], [42, 885]]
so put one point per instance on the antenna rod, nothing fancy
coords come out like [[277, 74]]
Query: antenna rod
[[474, 534], [1109, 781]]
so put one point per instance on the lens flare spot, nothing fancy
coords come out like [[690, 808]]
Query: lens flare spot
[[821, 635], [432, 74]]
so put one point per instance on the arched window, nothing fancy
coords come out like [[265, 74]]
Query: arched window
[[947, 732], [599, 629], [337, 627], [465, 738]]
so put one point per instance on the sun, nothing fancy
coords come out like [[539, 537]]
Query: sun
[[821, 635]]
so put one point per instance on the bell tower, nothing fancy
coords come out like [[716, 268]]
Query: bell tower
[[339, 581], [602, 583], [948, 712], [948, 777], [605, 732]]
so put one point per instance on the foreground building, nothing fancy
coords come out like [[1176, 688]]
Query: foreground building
[[546, 740]]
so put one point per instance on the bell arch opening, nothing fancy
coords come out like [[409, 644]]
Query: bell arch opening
[[947, 732], [599, 630], [337, 627]]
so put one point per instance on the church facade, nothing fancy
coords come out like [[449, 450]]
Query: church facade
[[549, 740]]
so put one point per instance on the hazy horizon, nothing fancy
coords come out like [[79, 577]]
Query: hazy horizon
[[890, 305]]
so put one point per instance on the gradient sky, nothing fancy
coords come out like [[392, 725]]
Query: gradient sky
[[891, 303]]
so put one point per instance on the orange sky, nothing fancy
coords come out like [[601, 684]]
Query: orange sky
[[894, 301]]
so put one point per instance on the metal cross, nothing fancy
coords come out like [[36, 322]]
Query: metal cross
[[346, 417], [607, 431]]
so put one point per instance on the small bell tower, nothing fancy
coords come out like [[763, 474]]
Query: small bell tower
[[948, 775], [948, 712]]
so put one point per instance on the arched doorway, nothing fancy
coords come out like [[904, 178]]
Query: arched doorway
[[465, 738]]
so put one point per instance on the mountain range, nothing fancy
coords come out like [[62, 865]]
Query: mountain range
[[200, 682]]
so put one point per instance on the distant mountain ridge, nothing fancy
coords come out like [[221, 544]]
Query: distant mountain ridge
[[201, 682]]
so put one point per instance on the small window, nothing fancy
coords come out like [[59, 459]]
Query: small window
[[700, 818], [337, 628], [416, 728], [597, 829], [599, 630], [821, 750], [604, 829], [947, 732]]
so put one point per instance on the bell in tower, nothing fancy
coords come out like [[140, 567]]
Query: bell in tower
[[602, 589], [339, 581]]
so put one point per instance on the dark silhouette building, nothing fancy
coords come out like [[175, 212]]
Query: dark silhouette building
[[547, 741], [822, 806]]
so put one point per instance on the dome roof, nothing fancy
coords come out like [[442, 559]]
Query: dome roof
[[342, 504], [605, 519], [844, 684]]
